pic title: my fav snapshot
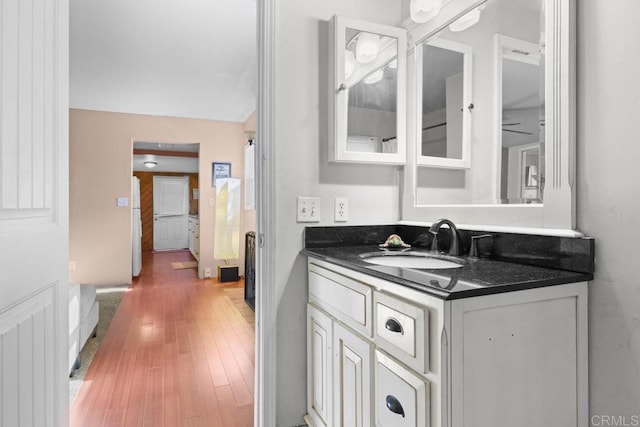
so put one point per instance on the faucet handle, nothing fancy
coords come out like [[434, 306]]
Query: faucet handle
[[434, 241], [473, 253]]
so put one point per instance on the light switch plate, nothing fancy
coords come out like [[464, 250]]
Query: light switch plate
[[308, 209]]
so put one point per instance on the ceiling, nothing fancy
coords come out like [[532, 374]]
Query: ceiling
[[194, 58]]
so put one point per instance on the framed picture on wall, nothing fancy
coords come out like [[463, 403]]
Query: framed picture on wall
[[220, 170]]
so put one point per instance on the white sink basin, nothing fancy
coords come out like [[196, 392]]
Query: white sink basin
[[411, 260]]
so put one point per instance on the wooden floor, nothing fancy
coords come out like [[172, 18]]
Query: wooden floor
[[178, 353]]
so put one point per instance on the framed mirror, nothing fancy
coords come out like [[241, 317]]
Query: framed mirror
[[522, 137], [444, 79], [367, 116]]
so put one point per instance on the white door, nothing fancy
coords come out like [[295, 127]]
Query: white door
[[170, 212], [34, 231]]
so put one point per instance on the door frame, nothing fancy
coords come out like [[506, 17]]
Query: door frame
[[266, 303]]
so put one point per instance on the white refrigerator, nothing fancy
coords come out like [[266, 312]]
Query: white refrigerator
[[136, 227]]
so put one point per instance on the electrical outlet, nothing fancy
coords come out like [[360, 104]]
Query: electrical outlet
[[207, 272], [341, 213], [308, 209]]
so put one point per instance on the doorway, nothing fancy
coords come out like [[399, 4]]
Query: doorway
[[176, 163]]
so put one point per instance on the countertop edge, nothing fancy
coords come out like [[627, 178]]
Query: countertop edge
[[446, 295]]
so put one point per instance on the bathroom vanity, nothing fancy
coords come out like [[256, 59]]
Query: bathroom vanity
[[494, 339], [488, 343]]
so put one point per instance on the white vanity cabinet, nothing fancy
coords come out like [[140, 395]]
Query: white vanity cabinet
[[381, 354]]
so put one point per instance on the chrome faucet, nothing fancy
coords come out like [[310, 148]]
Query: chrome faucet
[[454, 247]]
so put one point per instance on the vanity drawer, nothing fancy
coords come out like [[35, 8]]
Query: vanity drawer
[[402, 329], [346, 299], [401, 398]]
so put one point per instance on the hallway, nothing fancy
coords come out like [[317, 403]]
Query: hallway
[[177, 353]]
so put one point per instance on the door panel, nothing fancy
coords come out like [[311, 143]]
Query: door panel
[[352, 379], [319, 343], [34, 230], [170, 212]]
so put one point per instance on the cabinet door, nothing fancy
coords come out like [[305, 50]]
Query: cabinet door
[[352, 379], [401, 397], [319, 362]]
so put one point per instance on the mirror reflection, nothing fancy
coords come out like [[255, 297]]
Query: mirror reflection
[[506, 135], [442, 98], [522, 125], [371, 79]]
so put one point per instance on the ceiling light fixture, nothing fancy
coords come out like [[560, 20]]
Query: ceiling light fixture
[[467, 20], [423, 10], [150, 164], [367, 47]]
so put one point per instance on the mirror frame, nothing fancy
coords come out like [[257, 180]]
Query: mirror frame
[[467, 54], [339, 98], [556, 215]]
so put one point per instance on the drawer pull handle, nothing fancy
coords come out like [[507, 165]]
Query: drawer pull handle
[[394, 405], [394, 326]]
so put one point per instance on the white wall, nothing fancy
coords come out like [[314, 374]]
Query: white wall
[[99, 231], [609, 197], [302, 170]]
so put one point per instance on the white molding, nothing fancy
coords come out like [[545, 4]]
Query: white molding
[[266, 304], [554, 232]]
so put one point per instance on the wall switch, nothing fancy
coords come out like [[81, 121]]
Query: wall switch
[[308, 209], [341, 213], [122, 202], [72, 266], [212, 201]]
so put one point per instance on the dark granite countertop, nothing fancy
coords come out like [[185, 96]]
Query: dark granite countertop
[[478, 276]]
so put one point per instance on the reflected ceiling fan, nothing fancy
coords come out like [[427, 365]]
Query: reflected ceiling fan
[[513, 130]]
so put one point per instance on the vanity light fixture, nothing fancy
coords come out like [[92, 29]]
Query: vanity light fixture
[[467, 20], [423, 10], [374, 77], [367, 47], [150, 164], [349, 63]]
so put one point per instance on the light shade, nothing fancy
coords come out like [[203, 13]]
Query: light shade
[[367, 47], [423, 10], [466, 20], [150, 164], [374, 77], [226, 243], [349, 63]]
